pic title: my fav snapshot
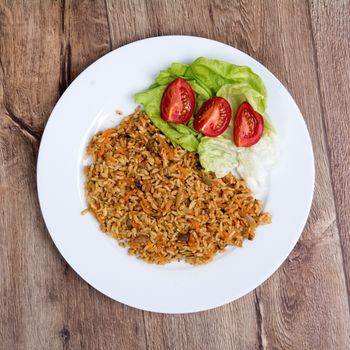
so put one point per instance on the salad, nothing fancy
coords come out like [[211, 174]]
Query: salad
[[216, 109]]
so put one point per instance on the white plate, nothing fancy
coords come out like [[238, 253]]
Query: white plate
[[89, 105]]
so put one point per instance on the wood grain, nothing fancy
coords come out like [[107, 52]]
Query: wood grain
[[331, 30], [44, 304], [286, 301], [29, 263], [29, 45]]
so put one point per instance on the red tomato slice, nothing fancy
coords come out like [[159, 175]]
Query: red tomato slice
[[178, 102], [248, 126], [214, 117]]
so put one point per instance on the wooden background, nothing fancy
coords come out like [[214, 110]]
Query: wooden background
[[44, 304]]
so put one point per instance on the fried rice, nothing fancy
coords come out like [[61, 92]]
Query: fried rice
[[157, 201]]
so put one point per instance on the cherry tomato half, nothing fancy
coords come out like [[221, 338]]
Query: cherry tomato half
[[248, 126], [214, 117], [178, 102]]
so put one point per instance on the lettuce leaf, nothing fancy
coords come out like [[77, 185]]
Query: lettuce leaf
[[218, 154], [234, 83], [253, 164], [216, 73], [240, 92]]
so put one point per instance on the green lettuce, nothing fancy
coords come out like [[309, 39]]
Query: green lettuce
[[208, 78], [234, 83], [240, 92], [218, 154], [221, 156]]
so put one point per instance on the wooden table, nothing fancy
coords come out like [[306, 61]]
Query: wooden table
[[46, 44]]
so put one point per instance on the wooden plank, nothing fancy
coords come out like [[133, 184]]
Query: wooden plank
[[29, 264], [331, 30], [29, 303], [227, 327], [30, 46], [85, 36], [304, 305], [152, 18]]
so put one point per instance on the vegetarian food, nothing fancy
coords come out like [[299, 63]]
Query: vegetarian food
[[247, 148], [214, 117], [156, 199], [178, 102], [248, 126], [176, 181]]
